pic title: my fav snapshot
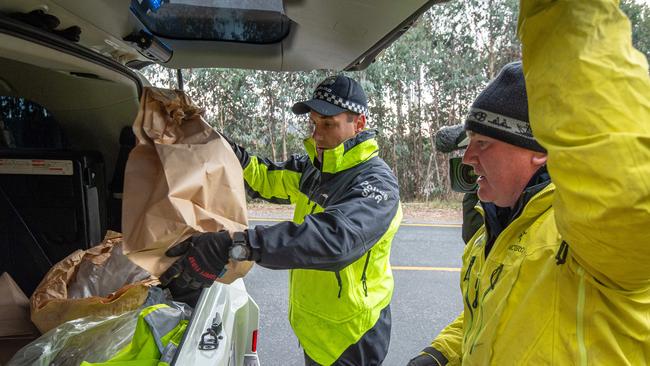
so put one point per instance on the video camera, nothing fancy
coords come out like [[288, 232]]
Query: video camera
[[462, 176]]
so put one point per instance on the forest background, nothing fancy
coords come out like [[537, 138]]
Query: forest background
[[426, 80]]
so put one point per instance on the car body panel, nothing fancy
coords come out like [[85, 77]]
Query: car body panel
[[239, 316]]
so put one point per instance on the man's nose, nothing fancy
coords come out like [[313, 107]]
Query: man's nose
[[469, 157]]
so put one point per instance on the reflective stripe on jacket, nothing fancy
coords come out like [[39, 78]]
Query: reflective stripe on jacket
[[568, 282], [338, 245], [156, 338]]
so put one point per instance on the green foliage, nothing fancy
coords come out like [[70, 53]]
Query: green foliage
[[424, 81], [639, 14], [428, 79]]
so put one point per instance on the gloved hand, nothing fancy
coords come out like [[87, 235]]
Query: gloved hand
[[204, 257], [428, 357]]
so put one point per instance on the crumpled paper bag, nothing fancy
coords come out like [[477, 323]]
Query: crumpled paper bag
[[181, 178], [14, 310], [52, 305]]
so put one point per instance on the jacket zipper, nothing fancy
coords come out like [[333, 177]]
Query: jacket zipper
[[363, 277], [338, 280], [494, 277], [363, 274], [476, 290], [467, 302], [469, 268]]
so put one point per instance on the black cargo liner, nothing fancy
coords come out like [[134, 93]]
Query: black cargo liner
[[51, 204]]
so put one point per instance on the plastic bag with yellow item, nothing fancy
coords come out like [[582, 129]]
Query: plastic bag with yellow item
[[92, 339]]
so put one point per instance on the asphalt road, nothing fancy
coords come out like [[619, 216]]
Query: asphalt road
[[426, 262]]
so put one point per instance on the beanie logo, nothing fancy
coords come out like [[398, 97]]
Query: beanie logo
[[501, 122], [525, 130], [497, 119]]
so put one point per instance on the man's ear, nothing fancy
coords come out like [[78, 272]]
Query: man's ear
[[360, 123], [539, 159]]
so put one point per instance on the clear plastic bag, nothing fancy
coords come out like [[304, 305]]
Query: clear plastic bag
[[86, 339], [105, 278], [92, 339]]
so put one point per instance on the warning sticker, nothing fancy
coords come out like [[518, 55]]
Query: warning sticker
[[36, 167]]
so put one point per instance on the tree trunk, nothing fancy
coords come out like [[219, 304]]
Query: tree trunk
[[171, 79], [284, 135], [271, 120]]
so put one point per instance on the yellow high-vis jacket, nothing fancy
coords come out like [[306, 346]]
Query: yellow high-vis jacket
[[568, 281], [338, 246]]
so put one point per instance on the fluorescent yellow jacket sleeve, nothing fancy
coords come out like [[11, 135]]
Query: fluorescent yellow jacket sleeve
[[274, 182], [589, 105], [450, 341]]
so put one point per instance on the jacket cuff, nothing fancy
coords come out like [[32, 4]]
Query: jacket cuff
[[436, 355], [256, 252]]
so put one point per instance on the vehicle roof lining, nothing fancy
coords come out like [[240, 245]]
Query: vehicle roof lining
[[38, 55]]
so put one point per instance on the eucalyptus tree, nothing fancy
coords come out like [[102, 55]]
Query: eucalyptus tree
[[639, 15]]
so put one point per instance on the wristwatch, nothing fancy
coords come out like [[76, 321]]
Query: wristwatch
[[239, 251]]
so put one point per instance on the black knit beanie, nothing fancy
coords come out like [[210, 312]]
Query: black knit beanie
[[501, 110]]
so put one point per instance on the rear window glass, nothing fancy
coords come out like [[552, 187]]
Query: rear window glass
[[248, 21], [27, 125]]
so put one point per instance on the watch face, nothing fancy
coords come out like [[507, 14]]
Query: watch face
[[238, 252]]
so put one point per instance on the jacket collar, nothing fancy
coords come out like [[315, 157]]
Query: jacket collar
[[353, 151]]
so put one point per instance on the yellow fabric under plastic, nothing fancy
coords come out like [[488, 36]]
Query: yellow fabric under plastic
[[143, 350], [589, 106]]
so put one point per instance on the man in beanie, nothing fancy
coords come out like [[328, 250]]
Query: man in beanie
[[338, 245], [559, 273], [511, 167]]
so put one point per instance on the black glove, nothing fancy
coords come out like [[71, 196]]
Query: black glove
[[204, 257], [428, 357]]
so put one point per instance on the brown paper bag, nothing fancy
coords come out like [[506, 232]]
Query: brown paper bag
[[14, 310], [51, 305], [181, 178]]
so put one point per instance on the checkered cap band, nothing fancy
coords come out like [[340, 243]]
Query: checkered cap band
[[340, 102]]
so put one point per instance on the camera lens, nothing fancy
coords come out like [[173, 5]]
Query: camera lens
[[467, 174], [463, 178]]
